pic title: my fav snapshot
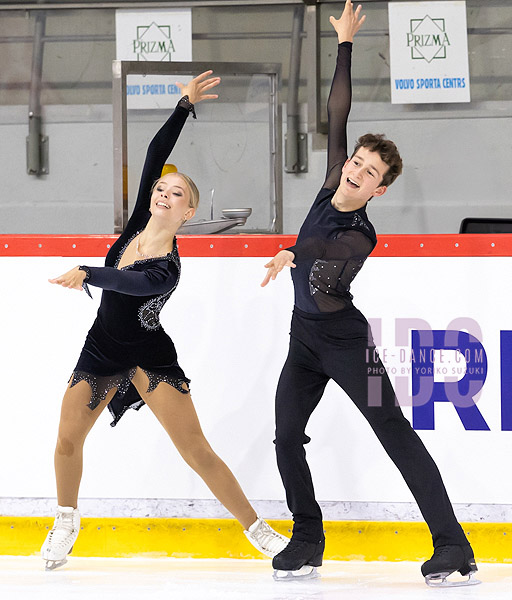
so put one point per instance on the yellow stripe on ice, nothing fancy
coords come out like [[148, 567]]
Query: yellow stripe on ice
[[223, 538]]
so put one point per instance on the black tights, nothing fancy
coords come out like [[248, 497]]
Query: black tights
[[323, 348]]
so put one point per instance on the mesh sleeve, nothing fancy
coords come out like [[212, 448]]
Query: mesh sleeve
[[338, 109], [348, 244]]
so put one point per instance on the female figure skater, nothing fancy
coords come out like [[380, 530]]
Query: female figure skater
[[330, 337], [128, 359]]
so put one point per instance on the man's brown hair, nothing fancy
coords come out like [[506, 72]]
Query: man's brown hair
[[377, 142]]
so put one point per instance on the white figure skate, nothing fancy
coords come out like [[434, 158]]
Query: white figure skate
[[265, 539], [59, 541]]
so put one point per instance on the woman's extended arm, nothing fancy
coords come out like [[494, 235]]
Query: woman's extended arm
[[340, 96], [155, 280]]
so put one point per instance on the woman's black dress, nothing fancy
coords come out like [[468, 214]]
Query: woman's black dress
[[127, 333]]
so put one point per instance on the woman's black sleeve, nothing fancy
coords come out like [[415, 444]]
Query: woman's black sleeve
[[155, 280], [158, 152], [338, 109]]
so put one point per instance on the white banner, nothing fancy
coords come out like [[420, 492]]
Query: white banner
[[158, 35], [428, 52]]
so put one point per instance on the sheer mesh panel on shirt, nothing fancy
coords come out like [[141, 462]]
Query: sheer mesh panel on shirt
[[330, 277]]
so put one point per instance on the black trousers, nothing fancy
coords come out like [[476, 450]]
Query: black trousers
[[324, 347]]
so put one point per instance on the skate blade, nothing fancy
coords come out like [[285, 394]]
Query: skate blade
[[305, 572], [51, 565], [440, 580]]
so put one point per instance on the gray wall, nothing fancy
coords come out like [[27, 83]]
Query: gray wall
[[456, 157], [454, 168]]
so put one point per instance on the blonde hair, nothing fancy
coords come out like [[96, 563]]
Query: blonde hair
[[192, 188]]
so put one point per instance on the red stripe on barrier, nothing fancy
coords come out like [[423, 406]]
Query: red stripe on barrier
[[259, 245], [234, 245], [55, 245], [444, 245]]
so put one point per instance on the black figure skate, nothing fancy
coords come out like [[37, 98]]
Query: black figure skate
[[298, 560], [445, 561]]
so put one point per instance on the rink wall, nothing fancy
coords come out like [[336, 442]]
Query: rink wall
[[231, 336]]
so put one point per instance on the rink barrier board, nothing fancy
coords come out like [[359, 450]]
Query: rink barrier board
[[224, 538], [256, 245], [212, 538]]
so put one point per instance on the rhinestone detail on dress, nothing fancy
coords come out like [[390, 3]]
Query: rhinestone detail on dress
[[149, 312], [101, 385], [121, 252], [155, 379]]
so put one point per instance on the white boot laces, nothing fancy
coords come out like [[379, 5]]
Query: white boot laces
[[267, 537], [63, 528]]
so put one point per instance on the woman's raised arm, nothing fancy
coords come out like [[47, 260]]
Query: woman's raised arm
[[164, 141]]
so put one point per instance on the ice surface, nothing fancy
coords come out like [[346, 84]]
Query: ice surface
[[22, 578]]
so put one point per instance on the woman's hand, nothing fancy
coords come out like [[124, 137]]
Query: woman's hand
[[73, 279], [349, 23], [276, 265], [196, 88]]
